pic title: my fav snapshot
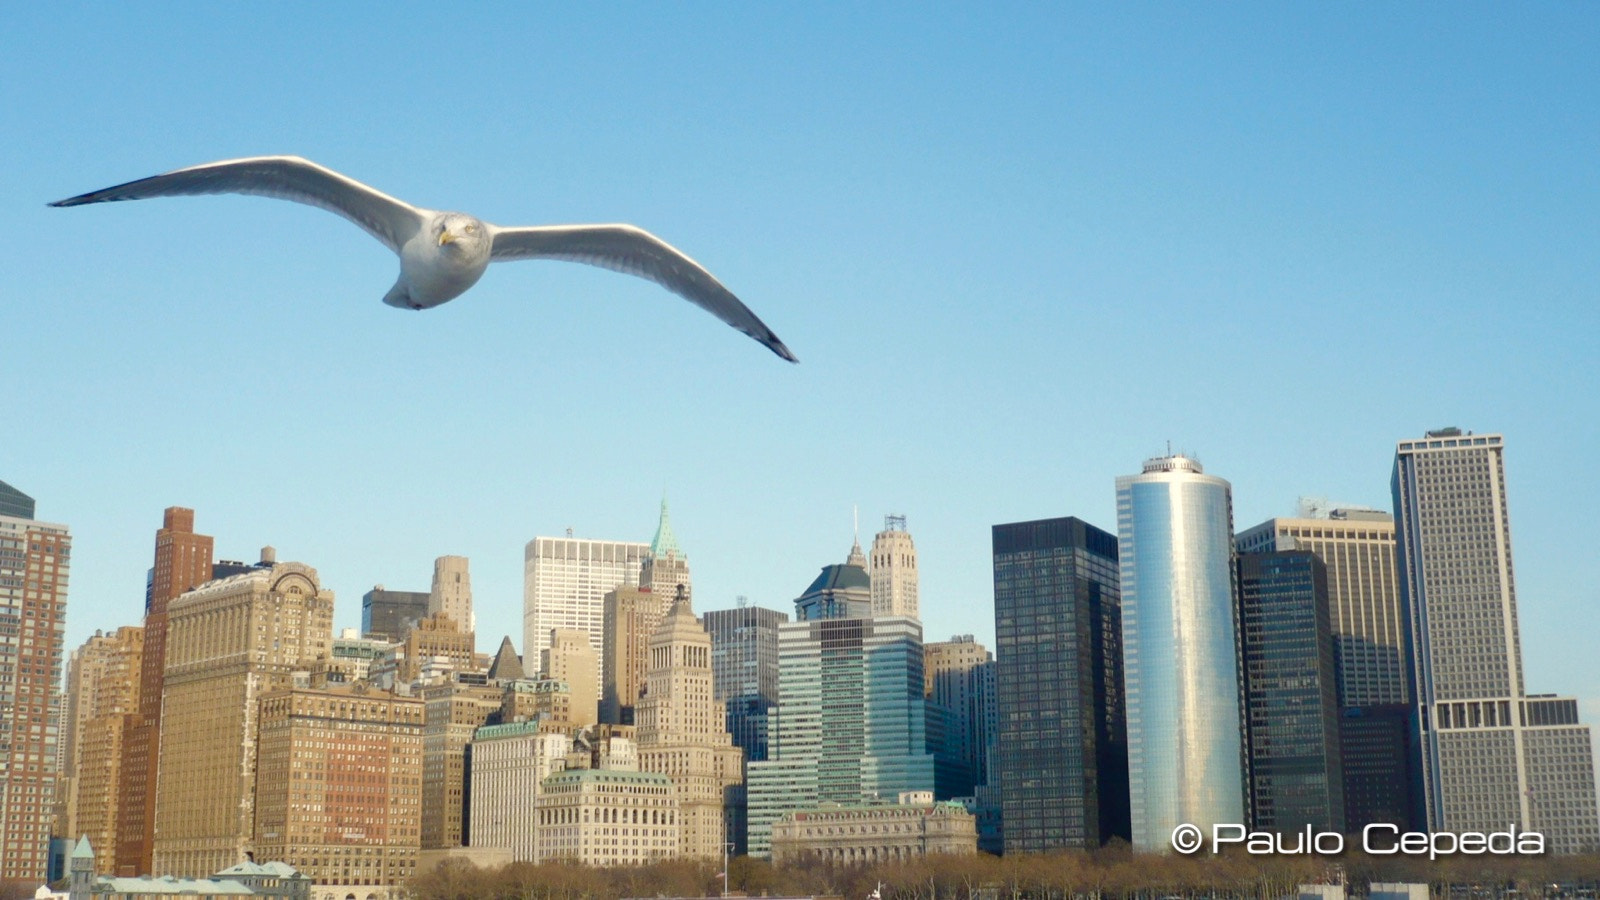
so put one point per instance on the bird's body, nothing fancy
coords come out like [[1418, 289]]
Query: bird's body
[[440, 261], [442, 254]]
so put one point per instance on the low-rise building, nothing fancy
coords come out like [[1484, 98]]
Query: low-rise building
[[837, 835], [268, 881], [607, 817]]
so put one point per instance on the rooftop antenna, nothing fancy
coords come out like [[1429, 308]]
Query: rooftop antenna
[[855, 521]]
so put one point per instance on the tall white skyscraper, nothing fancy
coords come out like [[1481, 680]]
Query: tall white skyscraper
[[452, 592], [565, 581], [1491, 753], [1175, 547], [894, 570]]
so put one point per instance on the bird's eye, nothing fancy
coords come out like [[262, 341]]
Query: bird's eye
[[471, 228]]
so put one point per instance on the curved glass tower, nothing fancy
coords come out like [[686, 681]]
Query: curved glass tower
[[1175, 543]]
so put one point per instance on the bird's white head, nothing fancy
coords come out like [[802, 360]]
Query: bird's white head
[[458, 233]]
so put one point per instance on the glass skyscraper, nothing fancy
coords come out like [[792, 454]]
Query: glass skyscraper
[[1291, 706], [1061, 758], [1175, 540], [1377, 736], [850, 722]]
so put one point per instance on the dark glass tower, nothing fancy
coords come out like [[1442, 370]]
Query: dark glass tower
[[1062, 752], [387, 615], [1290, 698]]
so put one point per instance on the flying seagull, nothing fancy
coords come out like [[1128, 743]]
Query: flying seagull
[[444, 253]]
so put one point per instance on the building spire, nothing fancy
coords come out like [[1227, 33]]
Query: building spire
[[665, 543], [856, 558]]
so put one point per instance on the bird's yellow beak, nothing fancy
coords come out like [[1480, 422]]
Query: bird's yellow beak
[[446, 238]]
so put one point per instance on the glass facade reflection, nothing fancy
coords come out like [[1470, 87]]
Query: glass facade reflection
[[1061, 757], [1175, 537]]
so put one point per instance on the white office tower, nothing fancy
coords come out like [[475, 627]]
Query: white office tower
[[894, 570], [565, 581], [452, 592], [1175, 548], [1491, 753]]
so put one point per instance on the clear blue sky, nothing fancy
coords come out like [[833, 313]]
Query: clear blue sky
[[1017, 250]]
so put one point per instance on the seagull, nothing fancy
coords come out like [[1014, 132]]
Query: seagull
[[444, 253]]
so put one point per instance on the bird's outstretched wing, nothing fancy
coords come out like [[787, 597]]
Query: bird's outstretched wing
[[285, 177], [624, 248]]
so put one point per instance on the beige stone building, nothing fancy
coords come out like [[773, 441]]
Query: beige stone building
[[681, 730], [435, 643], [451, 593], [894, 570], [607, 817], [453, 712], [572, 659], [229, 643], [509, 766], [102, 693], [862, 835], [631, 616], [545, 699], [339, 788]]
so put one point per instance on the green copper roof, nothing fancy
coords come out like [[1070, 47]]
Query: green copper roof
[[83, 850], [665, 541]]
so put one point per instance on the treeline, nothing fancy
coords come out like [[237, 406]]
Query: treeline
[[1112, 873]]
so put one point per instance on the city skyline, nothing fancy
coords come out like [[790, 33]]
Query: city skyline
[[1017, 251]]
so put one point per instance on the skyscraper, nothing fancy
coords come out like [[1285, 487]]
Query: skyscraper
[[1491, 753], [744, 664], [336, 791], [571, 659], [387, 615], [565, 581], [451, 593], [1357, 548], [102, 693], [665, 566], [959, 686], [894, 570], [1377, 739], [452, 712], [1061, 752], [230, 643], [850, 722], [631, 616], [744, 671], [182, 561], [1291, 709], [35, 561], [15, 503], [1175, 541], [682, 733]]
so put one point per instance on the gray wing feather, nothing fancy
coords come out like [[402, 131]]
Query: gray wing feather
[[624, 248], [284, 177]]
